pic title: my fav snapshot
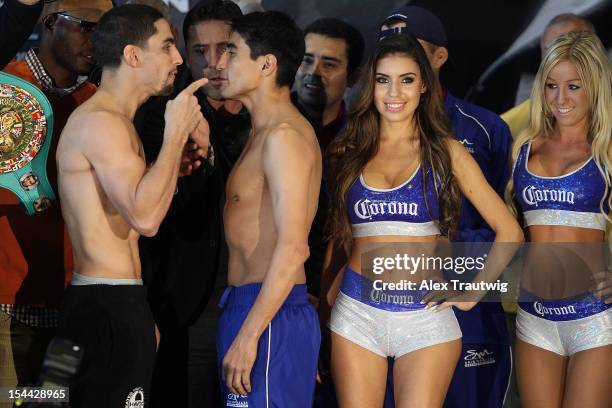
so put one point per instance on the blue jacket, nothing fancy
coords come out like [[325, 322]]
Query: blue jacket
[[487, 137]]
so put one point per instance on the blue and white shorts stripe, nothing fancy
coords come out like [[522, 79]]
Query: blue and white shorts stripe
[[284, 371]]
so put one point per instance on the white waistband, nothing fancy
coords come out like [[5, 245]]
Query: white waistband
[[380, 228], [81, 280], [566, 218]]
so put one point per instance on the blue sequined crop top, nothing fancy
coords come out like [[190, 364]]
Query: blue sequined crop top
[[574, 199], [396, 211]]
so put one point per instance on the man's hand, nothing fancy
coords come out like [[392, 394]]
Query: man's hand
[[183, 113], [195, 150], [28, 2], [324, 363], [190, 161], [238, 362], [201, 135]]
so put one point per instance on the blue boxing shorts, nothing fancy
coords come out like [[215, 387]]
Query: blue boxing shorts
[[284, 372]]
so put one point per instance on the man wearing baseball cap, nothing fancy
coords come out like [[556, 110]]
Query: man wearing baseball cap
[[481, 382], [84, 10], [35, 253]]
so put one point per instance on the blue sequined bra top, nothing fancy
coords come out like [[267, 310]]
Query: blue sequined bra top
[[573, 200], [396, 211]]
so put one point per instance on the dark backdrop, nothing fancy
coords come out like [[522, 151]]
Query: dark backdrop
[[479, 32]]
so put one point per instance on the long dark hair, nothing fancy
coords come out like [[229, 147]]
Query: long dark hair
[[354, 148]]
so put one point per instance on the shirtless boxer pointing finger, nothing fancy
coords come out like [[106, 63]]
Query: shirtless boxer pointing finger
[[109, 199]]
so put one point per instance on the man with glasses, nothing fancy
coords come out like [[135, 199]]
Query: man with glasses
[[65, 57], [35, 254]]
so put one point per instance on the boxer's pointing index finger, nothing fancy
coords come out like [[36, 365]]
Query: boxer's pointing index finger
[[195, 85]]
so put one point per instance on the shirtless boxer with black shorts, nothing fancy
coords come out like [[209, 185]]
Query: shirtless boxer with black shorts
[[109, 198]]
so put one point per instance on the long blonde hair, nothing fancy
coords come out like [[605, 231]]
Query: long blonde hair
[[594, 68]]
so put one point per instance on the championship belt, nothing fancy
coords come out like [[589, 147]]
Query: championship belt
[[26, 125]]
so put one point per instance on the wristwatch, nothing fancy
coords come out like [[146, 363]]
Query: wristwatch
[[210, 155]]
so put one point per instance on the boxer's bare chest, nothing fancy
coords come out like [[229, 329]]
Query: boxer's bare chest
[[246, 182]]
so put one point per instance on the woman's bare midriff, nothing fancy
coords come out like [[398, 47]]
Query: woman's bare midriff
[[556, 233], [354, 261], [565, 268]]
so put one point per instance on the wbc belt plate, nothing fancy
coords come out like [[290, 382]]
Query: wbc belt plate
[[26, 125]]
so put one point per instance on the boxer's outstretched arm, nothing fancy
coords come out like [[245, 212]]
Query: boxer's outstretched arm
[[142, 197], [289, 163]]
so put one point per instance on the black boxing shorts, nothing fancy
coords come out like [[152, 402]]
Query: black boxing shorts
[[115, 328]]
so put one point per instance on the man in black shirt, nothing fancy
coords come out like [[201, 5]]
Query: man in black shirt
[[206, 29], [17, 20], [185, 264], [334, 50]]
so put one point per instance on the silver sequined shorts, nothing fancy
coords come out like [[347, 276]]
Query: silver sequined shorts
[[391, 333], [565, 337]]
